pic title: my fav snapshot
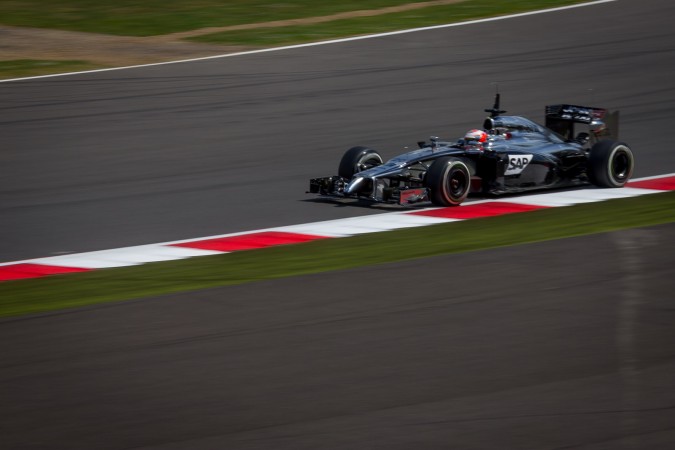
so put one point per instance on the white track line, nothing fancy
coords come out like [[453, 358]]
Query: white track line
[[568, 198], [351, 226], [332, 41], [362, 225], [123, 257]]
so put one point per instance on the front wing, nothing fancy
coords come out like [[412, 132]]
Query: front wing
[[335, 187]]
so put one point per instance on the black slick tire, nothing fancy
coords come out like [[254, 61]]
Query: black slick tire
[[610, 164], [358, 159], [449, 181]]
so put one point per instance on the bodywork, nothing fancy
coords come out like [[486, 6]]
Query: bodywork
[[519, 155]]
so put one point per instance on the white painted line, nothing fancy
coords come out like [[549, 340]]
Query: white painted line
[[325, 229], [215, 236], [365, 224], [122, 257], [340, 229], [569, 198], [599, 195], [83, 261], [332, 41], [653, 177], [129, 256]]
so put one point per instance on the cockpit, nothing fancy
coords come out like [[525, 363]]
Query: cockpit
[[514, 127]]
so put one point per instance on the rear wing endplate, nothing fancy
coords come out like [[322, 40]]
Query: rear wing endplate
[[602, 123]]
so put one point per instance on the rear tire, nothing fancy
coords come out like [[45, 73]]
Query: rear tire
[[358, 159], [610, 164], [449, 181]]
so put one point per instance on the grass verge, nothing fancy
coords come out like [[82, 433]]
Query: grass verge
[[435, 15], [153, 17], [66, 291], [156, 17], [33, 67]]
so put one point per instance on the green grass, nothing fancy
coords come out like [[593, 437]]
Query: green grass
[[65, 291], [152, 17], [437, 15], [33, 67]]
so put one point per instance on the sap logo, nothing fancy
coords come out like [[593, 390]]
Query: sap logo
[[517, 163]]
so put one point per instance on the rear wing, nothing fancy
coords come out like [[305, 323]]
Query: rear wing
[[602, 123]]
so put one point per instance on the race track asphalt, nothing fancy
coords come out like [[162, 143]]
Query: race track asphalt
[[179, 151], [558, 345], [555, 345]]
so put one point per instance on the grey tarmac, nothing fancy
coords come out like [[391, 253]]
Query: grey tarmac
[[555, 345], [560, 344], [155, 154]]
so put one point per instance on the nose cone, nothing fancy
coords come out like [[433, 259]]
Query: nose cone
[[354, 185]]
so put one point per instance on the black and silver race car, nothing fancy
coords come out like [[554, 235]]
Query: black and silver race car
[[510, 154]]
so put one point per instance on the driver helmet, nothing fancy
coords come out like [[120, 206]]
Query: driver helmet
[[476, 136]]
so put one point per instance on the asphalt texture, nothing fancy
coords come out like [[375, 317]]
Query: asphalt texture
[[138, 156], [557, 345]]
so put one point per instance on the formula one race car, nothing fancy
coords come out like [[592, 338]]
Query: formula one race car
[[510, 154]]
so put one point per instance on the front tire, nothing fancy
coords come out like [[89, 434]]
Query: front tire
[[449, 181], [358, 159], [610, 164]]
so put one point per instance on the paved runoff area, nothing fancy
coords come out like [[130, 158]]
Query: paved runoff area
[[295, 234]]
